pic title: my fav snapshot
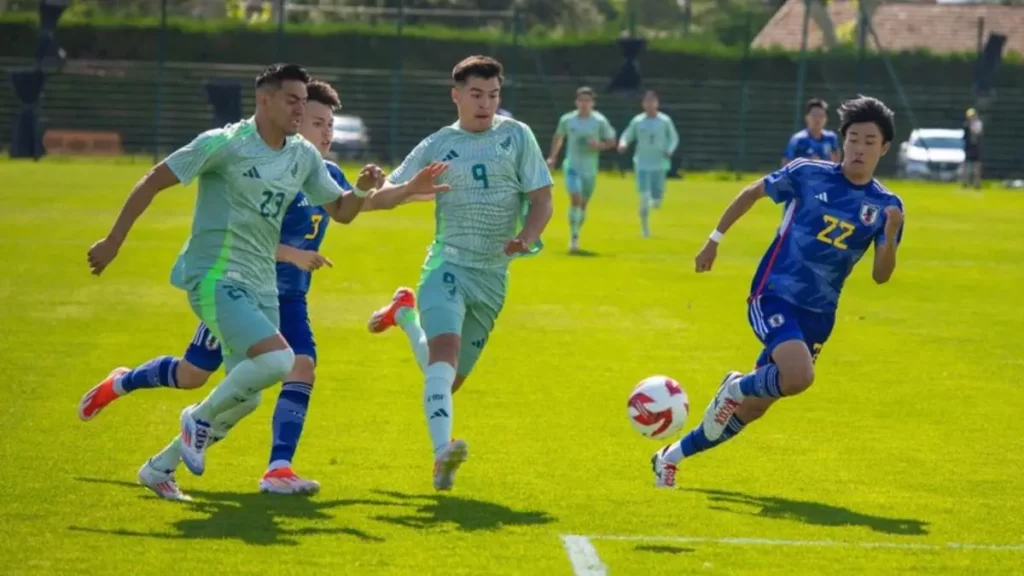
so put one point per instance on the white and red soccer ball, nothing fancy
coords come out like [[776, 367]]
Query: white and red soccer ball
[[658, 407]]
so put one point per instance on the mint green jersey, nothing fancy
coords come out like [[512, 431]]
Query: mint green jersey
[[244, 189], [490, 174], [656, 140], [578, 132]]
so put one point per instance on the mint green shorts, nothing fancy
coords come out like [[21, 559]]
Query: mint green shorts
[[238, 317], [455, 299]]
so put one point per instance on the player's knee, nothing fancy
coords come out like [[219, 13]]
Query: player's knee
[[797, 378], [276, 364], [189, 376], [304, 370], [444, 348]]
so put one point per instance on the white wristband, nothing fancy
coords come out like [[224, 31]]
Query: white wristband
[[716, 236], [361, 193]]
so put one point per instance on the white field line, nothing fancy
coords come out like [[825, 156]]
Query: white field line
[[586, 562], [583, 556]]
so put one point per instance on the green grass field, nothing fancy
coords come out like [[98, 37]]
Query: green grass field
[[910, 440]]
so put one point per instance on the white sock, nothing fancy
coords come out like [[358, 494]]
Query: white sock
[[409, 320], [278, 464], [437, 404], [168, 458], [245, 381]]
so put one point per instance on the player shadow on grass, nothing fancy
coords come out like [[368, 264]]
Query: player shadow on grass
[[466, 514], [250, 517], [814, 513]]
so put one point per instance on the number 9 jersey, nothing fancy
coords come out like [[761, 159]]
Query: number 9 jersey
[[828, 224]]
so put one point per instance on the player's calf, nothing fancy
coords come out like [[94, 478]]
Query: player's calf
[[190, 377]]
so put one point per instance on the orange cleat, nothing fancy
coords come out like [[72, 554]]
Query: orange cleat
[[384, 318], [101, 394]]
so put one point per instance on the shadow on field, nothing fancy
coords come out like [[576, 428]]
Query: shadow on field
[[466, 514], [674, 550], [250, 517], [814, 513], [581, 253]]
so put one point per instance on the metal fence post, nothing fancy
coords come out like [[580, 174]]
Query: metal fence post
[[741, 144], [161, 58], [801, 73], [396, 86]]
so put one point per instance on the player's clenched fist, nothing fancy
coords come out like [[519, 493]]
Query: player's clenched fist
[[371, 176], [102, 253], [893, 221], [706, 257]]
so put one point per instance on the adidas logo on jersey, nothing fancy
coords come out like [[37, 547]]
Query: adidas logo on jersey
[[451, 155], [251, 173], [823, 196]]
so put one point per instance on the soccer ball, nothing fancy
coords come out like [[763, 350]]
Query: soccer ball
[[658, 407]]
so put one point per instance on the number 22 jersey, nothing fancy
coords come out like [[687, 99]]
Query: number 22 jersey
[[828, 225]]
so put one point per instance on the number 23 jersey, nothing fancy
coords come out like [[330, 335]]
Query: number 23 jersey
[[827, 226]]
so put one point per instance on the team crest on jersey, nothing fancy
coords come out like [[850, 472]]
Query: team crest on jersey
[[776, 320], [869, 213], [295, 170], [505, 146]]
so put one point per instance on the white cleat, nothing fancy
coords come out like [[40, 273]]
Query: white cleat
[[574, 244], [285, 481], [664, 471], [448, 462], [195, 438], [722, 406], [161, 483]]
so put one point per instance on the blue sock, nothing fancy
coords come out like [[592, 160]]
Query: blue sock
[[153, 374], [763, 382], [696, 442], [289, 417]]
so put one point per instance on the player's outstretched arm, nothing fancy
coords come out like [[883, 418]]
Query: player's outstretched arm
[[103, 252], [420, 185], [349, 205], [739, 206], [885, 248]]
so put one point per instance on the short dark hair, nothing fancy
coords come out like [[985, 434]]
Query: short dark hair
[[324, 93], [276, 74], [652, 93], [815, 103], [479, 66], [867, 109], [584, 91]]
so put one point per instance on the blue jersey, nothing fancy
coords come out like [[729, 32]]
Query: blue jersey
[[303, 227], [827, 226], [803, 145]]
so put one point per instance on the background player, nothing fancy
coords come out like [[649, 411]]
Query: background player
[[813, 142], [248, 173], [586, 133], [656, 141], [833, 214], [498, 208], [302, 232]]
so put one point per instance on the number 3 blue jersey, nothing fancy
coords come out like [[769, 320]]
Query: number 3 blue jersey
[[828, 224], [303, 227]]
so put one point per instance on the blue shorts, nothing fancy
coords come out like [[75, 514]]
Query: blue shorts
[[775, 321], [651, 182], [204, 351]]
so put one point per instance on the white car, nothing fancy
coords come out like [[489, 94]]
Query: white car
[[932, 154], [351, 138]]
